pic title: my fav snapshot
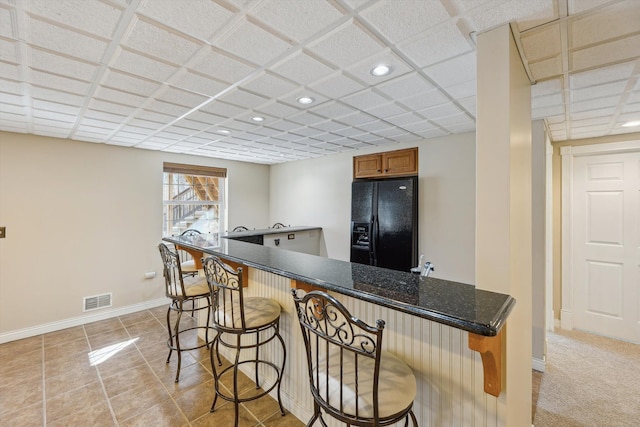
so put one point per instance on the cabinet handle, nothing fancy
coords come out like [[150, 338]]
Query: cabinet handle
[[386, 170], [379, 171]]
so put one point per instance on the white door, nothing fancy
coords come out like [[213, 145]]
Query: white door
[[606, 245]]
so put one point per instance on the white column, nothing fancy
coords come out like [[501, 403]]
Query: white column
[[503, 208]]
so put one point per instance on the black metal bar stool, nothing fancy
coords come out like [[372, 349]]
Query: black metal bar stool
[[351, 378], [237, 316], [181, 290]]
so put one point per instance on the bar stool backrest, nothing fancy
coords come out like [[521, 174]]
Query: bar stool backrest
[[227, 297], [337, 345], [174, 285]]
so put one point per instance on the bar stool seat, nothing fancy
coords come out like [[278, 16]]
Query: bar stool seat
[[234, 318], [182, 289], [351, 378]]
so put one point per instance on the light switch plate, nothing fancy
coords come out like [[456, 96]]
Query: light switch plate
[[3, 232]]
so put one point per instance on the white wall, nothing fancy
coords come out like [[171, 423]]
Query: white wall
[[318, 192], [84, 219]]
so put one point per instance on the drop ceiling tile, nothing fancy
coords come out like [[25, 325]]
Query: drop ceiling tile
[[407, 85], [333, 109], [55, 106], [455, 71], [219, 65], [9, 71], [543, 112], [55, 116], [462, 90], [269, 85], [147, 124], [201, 19], [345, 45], [329, 125], [546, 69], [440, 110], [10, 98], [542, 43], [53, 63], [358, 118], [605, 53], [444, 42], [181, 97], [242, 98], [9, 51], [99, 123], [286, 17], [140, 131], [633, 108], [431, 133], [578, 6], [192, 125], [421, 126], [307, 118], [7, 28], [415, 17], [205, 117], [20, 110], [198, 83], [594, 104], [63, 40], [362, 70], [63, 84], [375, 126], [548, 87], [302, 69], [119, 97], [384, 110], [143, 66], [595, 121], [90, 16], [278, 109], [84, 135], [588, 114], [548, 100], [469, 104], [167, 108], [56, 96], [285, 126], [500, 12], [336, 86], [53, 124], [159, 42], [103, 115], [424, 100], [94, 130], [253, 43], [365, 99], [614, 21], [601, 75], [615, 88], [223, 109], [404, 119], [127, 83]]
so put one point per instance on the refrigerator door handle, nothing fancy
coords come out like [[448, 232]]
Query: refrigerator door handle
[[373, 240]]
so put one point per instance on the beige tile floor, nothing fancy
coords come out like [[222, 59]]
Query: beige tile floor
[[113, 373]]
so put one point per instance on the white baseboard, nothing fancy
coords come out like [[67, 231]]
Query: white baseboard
[[538, 364], [80, 320]]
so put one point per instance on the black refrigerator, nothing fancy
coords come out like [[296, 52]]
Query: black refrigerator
[[384, 222]]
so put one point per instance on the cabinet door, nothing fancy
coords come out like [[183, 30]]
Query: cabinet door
[[367, 166], [402, 162]]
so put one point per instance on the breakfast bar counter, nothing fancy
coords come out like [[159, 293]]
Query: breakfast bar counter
[[450, 333]]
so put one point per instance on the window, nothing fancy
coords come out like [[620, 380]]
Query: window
[[193, 198]]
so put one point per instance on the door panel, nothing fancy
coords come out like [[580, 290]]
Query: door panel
[[606, 240]]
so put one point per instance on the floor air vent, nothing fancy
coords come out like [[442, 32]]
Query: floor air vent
[[98, 301]]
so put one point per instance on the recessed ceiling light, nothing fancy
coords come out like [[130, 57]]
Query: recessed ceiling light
[[305, 100], [632, 124], [224, 131], [257, 119], [380, 70]]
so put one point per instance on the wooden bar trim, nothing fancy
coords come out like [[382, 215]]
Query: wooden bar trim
[[296, 284], [197, 259], [490, 349]]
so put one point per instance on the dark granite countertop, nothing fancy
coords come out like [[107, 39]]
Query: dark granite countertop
[[455, 304], [265, 231]]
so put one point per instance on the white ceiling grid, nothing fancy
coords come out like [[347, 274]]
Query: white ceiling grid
[[172, 75]]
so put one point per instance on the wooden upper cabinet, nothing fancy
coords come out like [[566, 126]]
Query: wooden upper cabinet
[[387, 164]]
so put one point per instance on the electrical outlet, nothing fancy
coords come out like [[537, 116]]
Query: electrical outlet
[[3, 232]]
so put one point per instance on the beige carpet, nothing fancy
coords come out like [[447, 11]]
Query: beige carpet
[[589, 381]]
